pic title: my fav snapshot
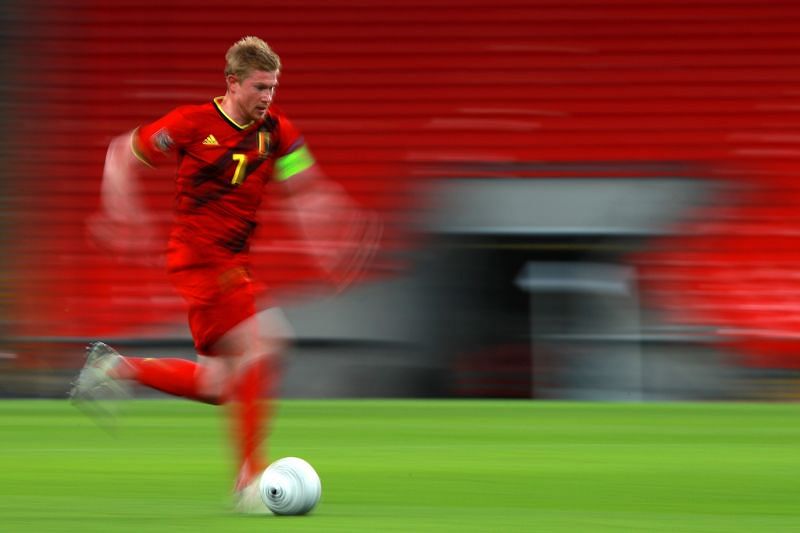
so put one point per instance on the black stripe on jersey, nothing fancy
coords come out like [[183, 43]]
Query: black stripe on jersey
[[237, 239], [270, 123]]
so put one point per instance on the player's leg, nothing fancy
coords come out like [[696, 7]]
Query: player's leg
[[106, 373], [225, 325], [218, 296], [257, 344], [200, 381]]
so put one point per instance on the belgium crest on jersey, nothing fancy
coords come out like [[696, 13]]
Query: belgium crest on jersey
[[263, 143]]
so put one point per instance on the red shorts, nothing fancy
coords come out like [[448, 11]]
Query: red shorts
[[220, 296]]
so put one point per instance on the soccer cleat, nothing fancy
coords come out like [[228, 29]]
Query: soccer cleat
[[248, 500], [95, 385]]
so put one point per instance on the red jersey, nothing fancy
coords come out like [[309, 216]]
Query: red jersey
[[222, 170]]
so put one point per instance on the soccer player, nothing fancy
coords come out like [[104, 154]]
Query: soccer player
[[227, 150]]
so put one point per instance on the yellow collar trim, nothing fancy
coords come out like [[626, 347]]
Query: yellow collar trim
[[218, 103]]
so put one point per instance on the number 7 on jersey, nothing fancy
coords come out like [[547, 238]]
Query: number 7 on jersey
[[241, 168]]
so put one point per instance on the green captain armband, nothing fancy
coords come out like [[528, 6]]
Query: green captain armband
[[294, 163]]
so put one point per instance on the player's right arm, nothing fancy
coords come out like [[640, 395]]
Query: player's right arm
[[121, 196], [123, 223]]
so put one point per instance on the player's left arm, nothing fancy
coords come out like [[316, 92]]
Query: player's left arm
[[340, 234]]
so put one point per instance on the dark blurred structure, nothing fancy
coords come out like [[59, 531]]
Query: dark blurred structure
[[637, 97], [543, 294]]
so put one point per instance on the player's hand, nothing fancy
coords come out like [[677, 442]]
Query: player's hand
[[132, 241], [351, 254]]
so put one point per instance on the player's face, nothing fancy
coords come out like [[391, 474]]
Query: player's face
[[254, 94]]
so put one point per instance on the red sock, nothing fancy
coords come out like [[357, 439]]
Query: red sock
[[251, 412], [177, 377]]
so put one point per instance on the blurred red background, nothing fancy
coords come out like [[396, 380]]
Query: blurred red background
[[385, 93]]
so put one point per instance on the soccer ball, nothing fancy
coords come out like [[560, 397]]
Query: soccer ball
[[290, 486]]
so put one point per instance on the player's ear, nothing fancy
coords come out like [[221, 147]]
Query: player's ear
[[231, 79]]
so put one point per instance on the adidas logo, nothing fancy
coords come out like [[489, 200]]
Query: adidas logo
[[211, 140]]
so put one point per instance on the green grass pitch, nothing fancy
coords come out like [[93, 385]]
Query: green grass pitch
[[412, 465]]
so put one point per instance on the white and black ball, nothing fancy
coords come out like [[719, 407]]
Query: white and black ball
[[290, 486]]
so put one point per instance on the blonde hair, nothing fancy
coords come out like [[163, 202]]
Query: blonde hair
[[249, 54]]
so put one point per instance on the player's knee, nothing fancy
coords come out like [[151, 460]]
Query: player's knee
[[212, 380], [261, 338]]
